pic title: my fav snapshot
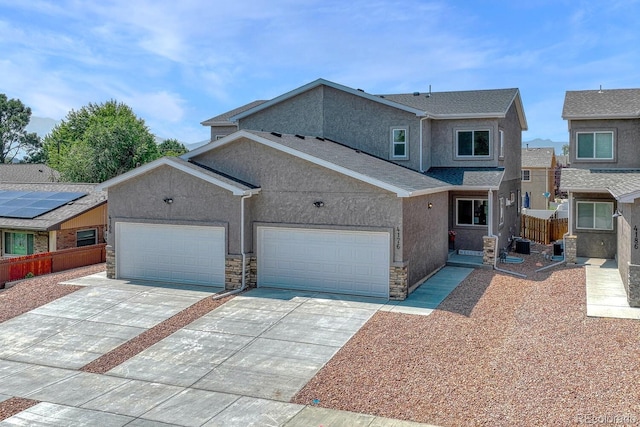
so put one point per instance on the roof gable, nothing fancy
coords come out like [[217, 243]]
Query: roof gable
[[236, 187], [602, 104], [542, 157]]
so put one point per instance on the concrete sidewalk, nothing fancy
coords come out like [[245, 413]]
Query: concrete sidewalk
[[238, 365], [606, 296]]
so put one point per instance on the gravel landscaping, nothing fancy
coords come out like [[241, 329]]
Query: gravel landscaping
[[500, 350]]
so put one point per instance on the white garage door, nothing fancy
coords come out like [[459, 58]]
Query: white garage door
[[171, 253], [347, 262]]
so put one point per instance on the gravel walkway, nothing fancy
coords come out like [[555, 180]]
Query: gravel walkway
[[499, 351]]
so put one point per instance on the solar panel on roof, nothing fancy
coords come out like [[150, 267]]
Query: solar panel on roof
[[31, 204]]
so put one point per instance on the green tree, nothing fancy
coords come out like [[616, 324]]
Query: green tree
[[171, 147], [14, 118], [98, 142]]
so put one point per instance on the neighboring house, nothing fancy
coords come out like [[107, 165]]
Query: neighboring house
[[538, 176], [45, 217], [27, 172], [221, 126], [326, 188], [603, 182]]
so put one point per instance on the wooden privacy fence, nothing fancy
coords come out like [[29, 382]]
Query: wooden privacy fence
[[51, 262], [543, 230]]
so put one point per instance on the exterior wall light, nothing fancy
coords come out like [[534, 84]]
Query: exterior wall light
[[318, 204], [429, 205], [168, 200]]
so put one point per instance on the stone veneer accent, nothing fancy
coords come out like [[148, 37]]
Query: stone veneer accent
[[489, 250], [233, 272], [570, 249], [111, 262], [633, 285], [398, 286]]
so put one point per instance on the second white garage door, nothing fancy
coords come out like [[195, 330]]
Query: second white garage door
[[171, 253], [348, 262]]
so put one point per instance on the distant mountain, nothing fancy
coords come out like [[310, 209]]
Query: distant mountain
[[41, 125], [537, 143]]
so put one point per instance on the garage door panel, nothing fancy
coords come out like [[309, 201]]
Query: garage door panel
[[324, 260], [181, 254]]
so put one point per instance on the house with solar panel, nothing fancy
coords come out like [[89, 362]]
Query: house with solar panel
[[46, 217], [603, 182], [327, 188]]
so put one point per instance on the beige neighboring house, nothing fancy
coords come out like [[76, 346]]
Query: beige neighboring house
[[538, 176]]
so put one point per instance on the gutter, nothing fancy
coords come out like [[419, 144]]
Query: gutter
[[242, 252]]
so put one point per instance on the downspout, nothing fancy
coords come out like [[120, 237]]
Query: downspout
[[421, 143], [490, 232], [242, 253]]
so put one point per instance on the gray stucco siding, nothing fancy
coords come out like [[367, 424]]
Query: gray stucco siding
[[468, 237], [425, 235], [220, 131], [511, 225], [290, 186], [512, 134], [195, 202], [443, 142], [626, 150], [302, 114]]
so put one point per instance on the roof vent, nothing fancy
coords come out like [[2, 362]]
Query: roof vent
[[279, 135], [300, 136], [600, 91], [416, 93], [360, 90], [381, 96], [428, 95], [319, 138]]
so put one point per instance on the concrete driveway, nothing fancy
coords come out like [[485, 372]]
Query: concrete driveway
[[238, 365]]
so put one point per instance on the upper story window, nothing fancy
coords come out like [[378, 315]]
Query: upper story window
[[594, 145], [501, 144], [526, 175], [472, 143], [399, 143], [595, 215], [471, 211]]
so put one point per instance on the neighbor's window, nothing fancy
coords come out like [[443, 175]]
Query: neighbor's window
[[526, 175], [399, 143], [595, 215], [473, 143], [86, 237], [18, 243], [501, 210], [472, 211], [594, 145]]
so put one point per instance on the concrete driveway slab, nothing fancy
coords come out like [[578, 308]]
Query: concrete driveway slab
[[84, 303], [191, 407], [248, 412], [314, 416], [9, 367], [133, 398], [78, 389], [182, 358], [27, 329], [47, 414], [237, 320], [26, 381]]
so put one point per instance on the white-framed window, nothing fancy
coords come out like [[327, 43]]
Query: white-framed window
[[594, 215], [501, 133], [473, 143], [86, 237], [399, 143], [594, 145], [501, 210], [526, 175], [219, 137], [471, 211], [18, 244]]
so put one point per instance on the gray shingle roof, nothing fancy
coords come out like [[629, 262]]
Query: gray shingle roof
[[538, 157], [461, 103], [51, 220], [223, 119], [618, 182], [606, 103], [468, 177], [27, 172]]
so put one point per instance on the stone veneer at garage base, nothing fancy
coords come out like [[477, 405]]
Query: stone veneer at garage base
[[633, 286], [398, 288]]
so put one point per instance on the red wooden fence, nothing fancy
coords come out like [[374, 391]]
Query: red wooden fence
[[50, 262]]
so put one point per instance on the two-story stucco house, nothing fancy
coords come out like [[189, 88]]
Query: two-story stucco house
[[538, 176], [326, 188], [603, 182]]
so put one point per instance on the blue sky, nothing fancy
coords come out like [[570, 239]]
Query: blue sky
[[177, 63]]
